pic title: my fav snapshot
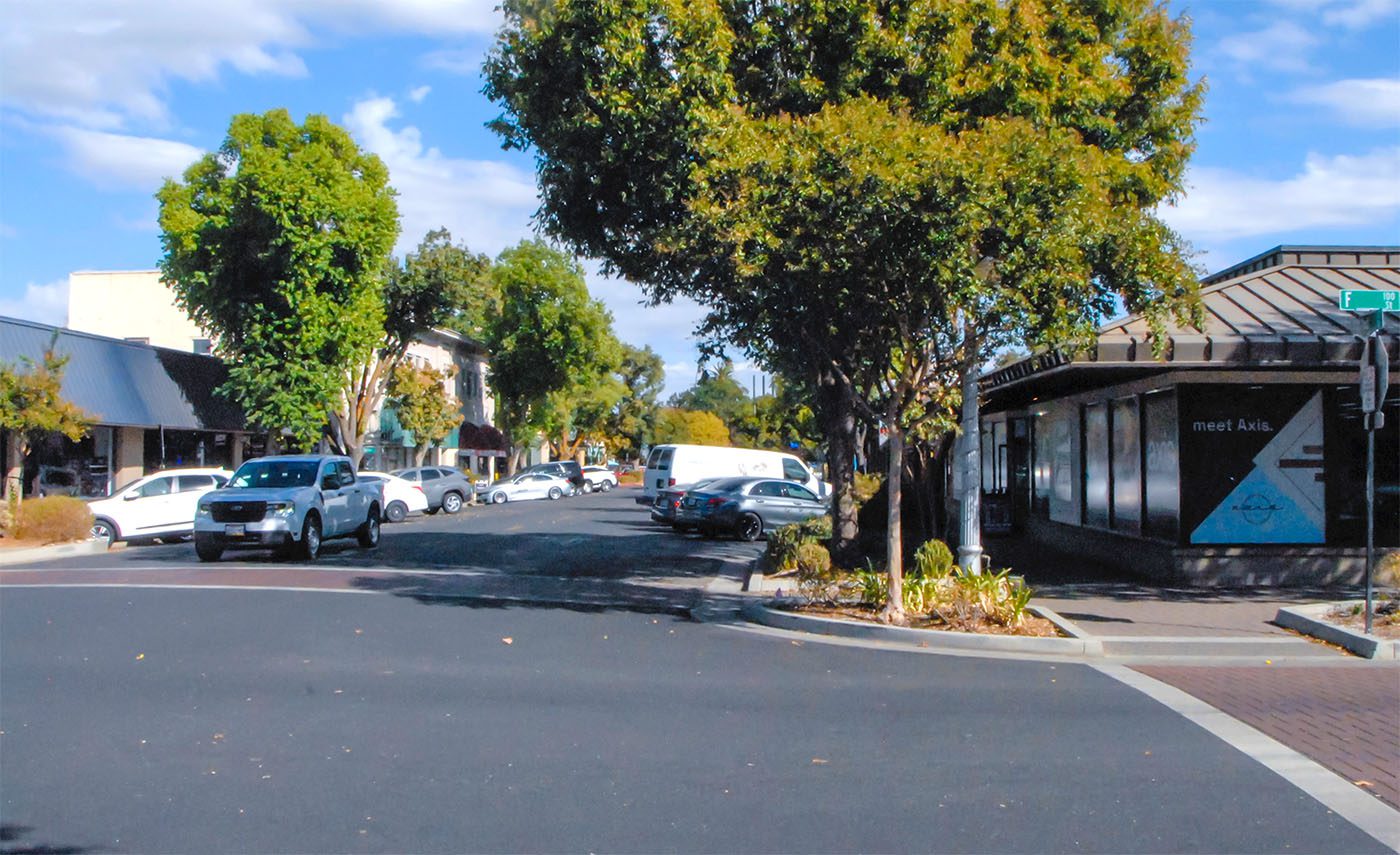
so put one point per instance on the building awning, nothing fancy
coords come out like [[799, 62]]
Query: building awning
[[1277, 310], [128, 384]]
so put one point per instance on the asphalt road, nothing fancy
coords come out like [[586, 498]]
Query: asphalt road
[[378, 719]]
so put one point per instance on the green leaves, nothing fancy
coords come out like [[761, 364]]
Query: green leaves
[[31, 399], [276, 244]]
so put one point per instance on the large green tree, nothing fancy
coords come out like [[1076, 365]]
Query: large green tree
[[642, 372], [546, 337], [276, 244], [423, 405], [440, 284], [32, 406], [834, 178]]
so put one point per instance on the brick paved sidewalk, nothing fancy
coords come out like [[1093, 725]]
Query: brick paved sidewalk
[[1345, 718]]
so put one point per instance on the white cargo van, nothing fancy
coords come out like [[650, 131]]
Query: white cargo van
[[673, 465]]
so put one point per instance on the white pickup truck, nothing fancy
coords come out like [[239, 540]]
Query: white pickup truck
[[291, 504]]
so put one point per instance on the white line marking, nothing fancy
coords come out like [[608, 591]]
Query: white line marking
[[1336, 793]]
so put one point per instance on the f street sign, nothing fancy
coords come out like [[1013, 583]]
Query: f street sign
[[1361, 301]]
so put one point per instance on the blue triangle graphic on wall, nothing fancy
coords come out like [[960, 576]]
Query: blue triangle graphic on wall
[[1257, 511]]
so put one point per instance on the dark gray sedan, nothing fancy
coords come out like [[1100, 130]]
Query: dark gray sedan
[[447, 489], [748, 507]]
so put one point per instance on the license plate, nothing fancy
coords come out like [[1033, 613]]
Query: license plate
[[234, 530]]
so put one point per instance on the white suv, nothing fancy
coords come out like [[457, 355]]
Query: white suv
[[159, 505]]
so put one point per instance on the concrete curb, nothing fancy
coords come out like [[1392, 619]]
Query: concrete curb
[[1308, 620], [51, 552], [760, 613]]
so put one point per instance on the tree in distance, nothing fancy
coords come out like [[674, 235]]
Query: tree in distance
[[716, 392], [864, 195], [632, 420], [546, 338], [440, 284], [32, 406], [689, 427], [424, 406], [276, 245]]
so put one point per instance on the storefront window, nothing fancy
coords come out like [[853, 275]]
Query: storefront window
[[1163, 485], [1043, 458], [1127, 475], [1096, 463]]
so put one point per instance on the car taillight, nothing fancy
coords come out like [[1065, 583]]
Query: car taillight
[[671, 482], [676, 503], [715, 500]]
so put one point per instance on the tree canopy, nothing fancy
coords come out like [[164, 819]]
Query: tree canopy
[[632, 420], [852, 186], [548, 341], [32, 405], [423, 405], [692, 427], [276, 245]]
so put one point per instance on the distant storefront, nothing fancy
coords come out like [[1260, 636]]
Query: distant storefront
[[1237, 458], [153, 408]]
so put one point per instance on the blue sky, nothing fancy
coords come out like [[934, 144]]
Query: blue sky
[[100, 100]]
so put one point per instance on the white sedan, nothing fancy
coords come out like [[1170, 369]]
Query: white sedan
[[161, 505], [528, 485], [401, 496]]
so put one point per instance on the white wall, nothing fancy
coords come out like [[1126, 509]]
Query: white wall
[[129, 304]]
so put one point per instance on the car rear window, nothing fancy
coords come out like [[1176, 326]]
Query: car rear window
[[664, 462]]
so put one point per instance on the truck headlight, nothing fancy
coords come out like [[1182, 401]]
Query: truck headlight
[[281, 509], [204, 510]]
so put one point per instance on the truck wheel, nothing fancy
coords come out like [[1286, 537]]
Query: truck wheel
[[207, 548], [311, 537], [452, 502], [368, 534], [748, 528], [396, 512]]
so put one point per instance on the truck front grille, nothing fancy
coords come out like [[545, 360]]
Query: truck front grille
[[238, 512]]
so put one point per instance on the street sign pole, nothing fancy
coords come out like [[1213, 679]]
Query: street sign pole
[[1373, 382]]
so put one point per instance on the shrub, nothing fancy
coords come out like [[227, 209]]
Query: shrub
[[783, 543], [933, 560], [636, 476], [873, 587], [54, 519], [1387, 570], [815, 579]]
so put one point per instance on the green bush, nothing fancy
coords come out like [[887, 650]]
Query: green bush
[[933, 560], [784, 542], [54, 519], [873, 587], [816, 580]]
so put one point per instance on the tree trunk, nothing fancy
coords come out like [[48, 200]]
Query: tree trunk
[[970, 459], [419, 453], [894, 537], [836, 403], [14, 467]]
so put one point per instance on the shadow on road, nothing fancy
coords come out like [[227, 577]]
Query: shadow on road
[[507, 592], [12, 843]]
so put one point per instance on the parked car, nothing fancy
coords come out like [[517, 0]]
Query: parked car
[[527, 485], [289, 503], [56, 481], [160, 505], [669, 465], [598, 478], [748, 507], [569, 470], [447, 489], [668, 502], [401, 497]]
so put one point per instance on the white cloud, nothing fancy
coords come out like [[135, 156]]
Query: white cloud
[[1373, 102], [486, 204], [417, 95], [47, 303], [1282, 46], [120, 161], [463, 61], [1347, 14], [1344, 190], [102, 64]]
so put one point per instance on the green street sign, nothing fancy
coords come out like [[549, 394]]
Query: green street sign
[[1363, 301]]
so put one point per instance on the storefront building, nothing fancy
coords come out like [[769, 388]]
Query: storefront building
[[152, 408], [1236, 458]]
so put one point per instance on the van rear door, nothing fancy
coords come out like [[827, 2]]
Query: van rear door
[[658, 474]]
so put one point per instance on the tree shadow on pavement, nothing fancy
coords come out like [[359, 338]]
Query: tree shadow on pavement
[[12, 843], [507, 592]]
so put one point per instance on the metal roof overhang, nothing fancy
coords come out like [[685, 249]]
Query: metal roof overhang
[[125, 384]]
